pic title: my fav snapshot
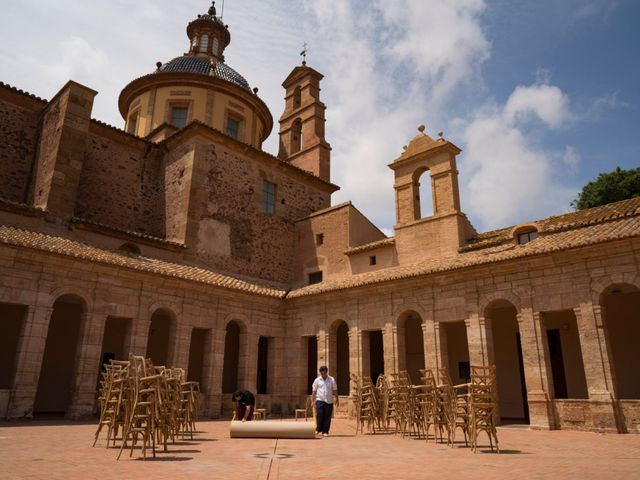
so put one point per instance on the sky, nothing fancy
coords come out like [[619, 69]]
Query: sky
[[540, 96]]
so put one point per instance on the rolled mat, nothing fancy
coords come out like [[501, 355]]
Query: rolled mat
[[275, 429]]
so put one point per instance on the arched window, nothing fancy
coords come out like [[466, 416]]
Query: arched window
[[215, 46], [204, 43], [296, 136], [525, 234], [423, 201], [130, 248], [297, 97]]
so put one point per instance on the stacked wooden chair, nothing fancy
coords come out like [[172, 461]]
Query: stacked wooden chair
[[150, 404], [483, 405]]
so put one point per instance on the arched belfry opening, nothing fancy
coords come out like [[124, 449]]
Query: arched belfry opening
[[339, 355], [296, 136], [231, 362], [507, 354], [411, 345], [59, 362], [423, 205], [162, 322], [621, 317]]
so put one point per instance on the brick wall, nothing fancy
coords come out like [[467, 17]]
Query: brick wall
[[18, 131], [121, 184]]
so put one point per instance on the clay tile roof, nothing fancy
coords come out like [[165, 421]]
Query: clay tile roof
[[371, 246], [202, 66], [579, 229], [22, 92], [71, 248], [572, 220]]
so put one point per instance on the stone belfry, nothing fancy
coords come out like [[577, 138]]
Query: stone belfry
[[302, 131]]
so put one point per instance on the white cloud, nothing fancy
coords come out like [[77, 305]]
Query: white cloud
[[509, 178], [571, 158]]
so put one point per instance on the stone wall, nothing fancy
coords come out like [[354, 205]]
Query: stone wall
[[121, 183], [19, 132]]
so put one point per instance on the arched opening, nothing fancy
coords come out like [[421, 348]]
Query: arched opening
[[198, 353], [339, 355], [231, 360], [311, 344], [204, 43], [59, 360], [565, 354], [296, 136], [11, 327], [411, 345], [373, 354], [424, 194], [297, 97], [622, 326], [457, 351], [159, 334], [507, 354]]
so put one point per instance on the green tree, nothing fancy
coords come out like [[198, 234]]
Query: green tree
[[609, 187]]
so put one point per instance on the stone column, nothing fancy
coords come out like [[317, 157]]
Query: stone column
[[390, 351], [430, 345], [535, 358], [30, 353], [355, 355], [248, 369], [597, 367], [138, 336], [179, 346], [212, 372], [480, 340], [365, 350], [87, 366], [323, 348]]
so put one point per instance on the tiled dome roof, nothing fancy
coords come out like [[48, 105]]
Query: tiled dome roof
[[202, 65]]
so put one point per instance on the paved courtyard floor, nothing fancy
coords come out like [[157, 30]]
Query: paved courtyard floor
[[62, 450]]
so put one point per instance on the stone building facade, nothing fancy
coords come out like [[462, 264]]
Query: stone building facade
[[180, 239]]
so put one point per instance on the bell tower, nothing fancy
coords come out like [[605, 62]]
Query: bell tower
[[302, 141]]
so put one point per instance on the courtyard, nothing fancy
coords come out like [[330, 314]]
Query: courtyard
[[59, 449]]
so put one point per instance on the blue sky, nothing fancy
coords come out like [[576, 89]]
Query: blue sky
[[540, 95]]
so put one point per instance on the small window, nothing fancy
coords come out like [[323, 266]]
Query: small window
[[297, 97], [215, 46], [373, 260], [204, 43], [130, 248], [233, 127], [526, 237], [179, 116], [319, 239], [268, 197], [132, 126], [315, 277]]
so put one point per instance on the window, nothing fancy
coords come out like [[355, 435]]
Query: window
[[132, 126], [315, 277], [319, 239], [268, 197], [296, 136], [204, 43], [372, 260], [526, 237], [179, 116], [215, 46], [297, 97], [233, 127]]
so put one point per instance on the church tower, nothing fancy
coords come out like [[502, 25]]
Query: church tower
[[302, 141]]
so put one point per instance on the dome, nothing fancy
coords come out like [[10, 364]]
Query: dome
[[202, 66]]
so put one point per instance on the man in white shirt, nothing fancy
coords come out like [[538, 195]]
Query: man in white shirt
[[324, 390]]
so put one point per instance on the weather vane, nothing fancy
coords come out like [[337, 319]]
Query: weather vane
[[303, 53]]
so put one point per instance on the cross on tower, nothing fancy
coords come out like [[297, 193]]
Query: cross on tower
[[303, 53]]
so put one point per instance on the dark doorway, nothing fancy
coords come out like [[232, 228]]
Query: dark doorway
[[312, 361], [231, 358], [158, 341], [457, 351], [263, 355], [115, 333], [557, 363], [342, 358], [414, 347], [376, 355], [11, 325], [59, 359], [196, 354]]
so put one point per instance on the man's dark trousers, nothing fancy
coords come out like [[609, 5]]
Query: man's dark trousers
[[323, 416]]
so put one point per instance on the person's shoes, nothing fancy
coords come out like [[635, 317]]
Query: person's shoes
[[325, 434], [318, 434]]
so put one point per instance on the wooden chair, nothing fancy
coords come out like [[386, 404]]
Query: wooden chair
[[305, 411]]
